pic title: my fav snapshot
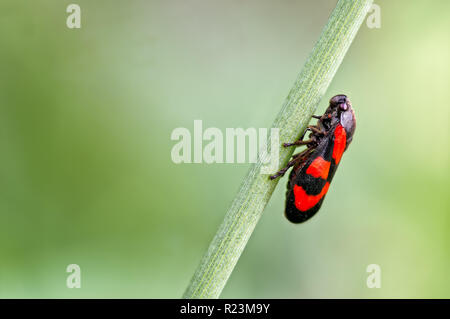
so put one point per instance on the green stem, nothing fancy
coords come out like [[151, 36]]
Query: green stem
[[225, 249]]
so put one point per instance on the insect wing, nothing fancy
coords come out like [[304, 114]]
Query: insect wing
[[309, 183]]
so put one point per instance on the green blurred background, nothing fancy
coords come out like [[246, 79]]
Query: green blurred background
[[86, 175]]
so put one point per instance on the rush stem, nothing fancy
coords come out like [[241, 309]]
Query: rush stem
[[256, 189]]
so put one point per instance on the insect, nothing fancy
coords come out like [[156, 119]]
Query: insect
[[314, 168]]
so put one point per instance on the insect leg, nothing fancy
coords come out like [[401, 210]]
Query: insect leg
[[300, 140], [296, 159], [298, 143], [282, 171], [316, 130]]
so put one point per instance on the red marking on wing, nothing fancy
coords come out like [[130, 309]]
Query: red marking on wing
[[303, 201], [340, 140], [319, 168]]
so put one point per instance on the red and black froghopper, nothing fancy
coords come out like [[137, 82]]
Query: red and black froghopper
[[314, 168]]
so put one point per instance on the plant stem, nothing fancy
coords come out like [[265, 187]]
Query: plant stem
[[225, 249]]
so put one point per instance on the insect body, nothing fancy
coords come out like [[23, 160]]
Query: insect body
[[314, 168]]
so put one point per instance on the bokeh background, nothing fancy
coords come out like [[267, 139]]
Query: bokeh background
[[86, 175]]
